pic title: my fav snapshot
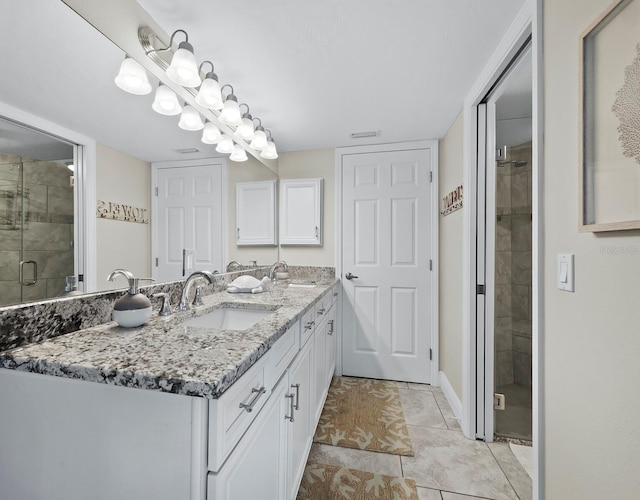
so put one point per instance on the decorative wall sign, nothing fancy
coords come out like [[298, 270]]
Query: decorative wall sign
[[120, 211], [452, 202], [610, 120]]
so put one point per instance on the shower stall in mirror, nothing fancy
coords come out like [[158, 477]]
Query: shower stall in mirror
[[36, 214]]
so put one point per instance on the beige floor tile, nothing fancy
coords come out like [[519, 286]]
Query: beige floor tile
[[441, 399], [428, 494], [369, 461], [446, 495], [513, 469], [402, 385], [420, 387], [420, 408], [446, 460], [453, 424]]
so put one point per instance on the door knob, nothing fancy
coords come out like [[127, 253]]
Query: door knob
[[350, 276]]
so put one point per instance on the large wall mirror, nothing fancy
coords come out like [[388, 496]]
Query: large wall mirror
[[59, 76]]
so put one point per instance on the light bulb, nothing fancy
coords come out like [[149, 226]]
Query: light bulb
[[238, 154], [132, 78], [190, 119], [259, 141], [230, 114], [269, 152], [225, 145], [209, 95], [211, 133], [245, 129], [166, 101], [183, 68]]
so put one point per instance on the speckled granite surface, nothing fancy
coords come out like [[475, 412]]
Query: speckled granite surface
[[165, 355]]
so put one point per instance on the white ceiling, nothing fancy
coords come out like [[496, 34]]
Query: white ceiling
[[313, 71]]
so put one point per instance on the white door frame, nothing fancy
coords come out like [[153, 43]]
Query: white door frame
[[84, 192], [154, 203], [527, 23], [382, 148]]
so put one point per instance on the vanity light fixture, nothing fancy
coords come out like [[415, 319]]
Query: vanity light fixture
[[259, 141], [230, 114], [166, 101], [225, 145], [190, 119], [211, 133], [132, 77], [269, 152], [209, 95], [183, 68], [245, 129], [238, 154]]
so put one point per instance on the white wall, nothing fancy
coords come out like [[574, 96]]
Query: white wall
[[121, 178], [451, 229], [319, 163], [591, 338]]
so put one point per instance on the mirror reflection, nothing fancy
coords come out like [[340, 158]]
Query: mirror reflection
[[75, 90]]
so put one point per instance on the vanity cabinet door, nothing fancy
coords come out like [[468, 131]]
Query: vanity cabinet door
[[256, 213], [319, 369], [331, 335], [301, 212], [257, 468]]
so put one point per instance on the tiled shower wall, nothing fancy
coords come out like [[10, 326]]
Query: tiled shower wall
[[513, 268], [47, 229]]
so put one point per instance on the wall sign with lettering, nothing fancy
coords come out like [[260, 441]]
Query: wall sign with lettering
[[452, 202], [121, 211]]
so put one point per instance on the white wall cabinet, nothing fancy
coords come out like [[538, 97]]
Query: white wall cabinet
[[256, 213], [301, 212]]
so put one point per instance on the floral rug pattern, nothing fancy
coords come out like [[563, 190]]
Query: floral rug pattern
[[321, 481], [364, 414]]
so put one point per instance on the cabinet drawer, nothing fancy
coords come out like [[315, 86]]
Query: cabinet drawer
[[307, 326], [282, 353], [323, 306], [231, 415]]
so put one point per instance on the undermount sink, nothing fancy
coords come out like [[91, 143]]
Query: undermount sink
[[301, 285], [229, 318]]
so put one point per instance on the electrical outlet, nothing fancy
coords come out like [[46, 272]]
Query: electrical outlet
[[499, 402]]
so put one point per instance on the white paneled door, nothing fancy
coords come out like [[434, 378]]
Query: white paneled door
[[386, 212], [190, 214]]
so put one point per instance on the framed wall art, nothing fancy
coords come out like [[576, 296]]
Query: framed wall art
[[610, 120]]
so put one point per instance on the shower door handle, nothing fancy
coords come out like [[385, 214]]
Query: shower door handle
[[34, 280]]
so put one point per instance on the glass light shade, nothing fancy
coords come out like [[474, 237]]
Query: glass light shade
[[225, 145], [238, 154], [209, 95], [166, 101], [230, 114], [190, 119], [184, 68], [269, 152], [211, 133], [246, 130], [259, 141], [132, 78]]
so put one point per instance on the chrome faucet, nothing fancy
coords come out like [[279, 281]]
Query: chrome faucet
[[272, 270], [184, 298], [234, 265]]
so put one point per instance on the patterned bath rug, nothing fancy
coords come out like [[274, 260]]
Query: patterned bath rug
[[331, 482], [365, 414]]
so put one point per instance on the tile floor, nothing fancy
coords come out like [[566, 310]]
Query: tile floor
[[446, 465]]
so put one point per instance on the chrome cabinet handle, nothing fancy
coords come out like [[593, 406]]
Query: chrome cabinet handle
[[309, 325], [249, 406], [21, 272], [317, 231], [238, 237], [330, 332], [350, 276], [290, 417], [321, 311], [297, 388]]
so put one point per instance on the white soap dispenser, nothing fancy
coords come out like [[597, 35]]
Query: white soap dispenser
[[134, 309]]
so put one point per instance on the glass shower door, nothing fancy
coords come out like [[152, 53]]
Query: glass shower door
[[10, 229]]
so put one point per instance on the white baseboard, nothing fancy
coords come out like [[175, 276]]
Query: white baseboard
[[452, 397]]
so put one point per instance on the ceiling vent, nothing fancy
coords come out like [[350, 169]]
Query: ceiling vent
[[185, 151], [362, 135]]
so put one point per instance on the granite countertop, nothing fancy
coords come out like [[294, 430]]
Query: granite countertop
[[165, 355]]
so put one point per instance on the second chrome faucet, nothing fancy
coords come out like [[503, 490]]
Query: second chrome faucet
[[184, 297]]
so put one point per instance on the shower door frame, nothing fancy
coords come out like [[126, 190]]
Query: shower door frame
[[84, 191]]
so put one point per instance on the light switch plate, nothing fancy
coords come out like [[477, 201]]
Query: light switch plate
[[565, 275]]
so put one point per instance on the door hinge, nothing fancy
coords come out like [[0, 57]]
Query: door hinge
[[430, 265], [430, 175], [480, 289], [156, 261], [80, 278], [430, 354], [156, 190]]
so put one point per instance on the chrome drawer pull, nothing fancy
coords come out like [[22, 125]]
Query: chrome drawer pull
[[249, 406], [287, 417], [331, 323], [297, 388], [321, 311], [309, 325]]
